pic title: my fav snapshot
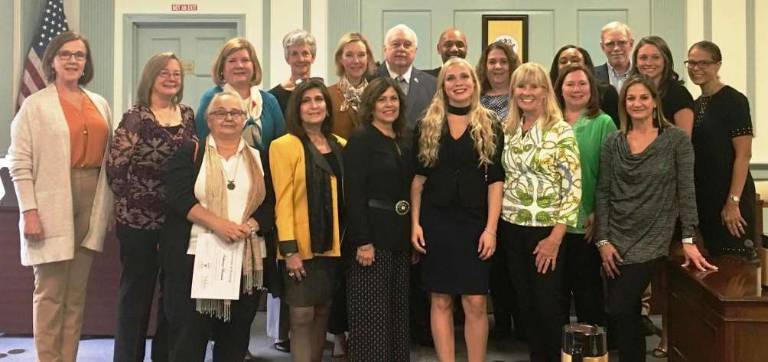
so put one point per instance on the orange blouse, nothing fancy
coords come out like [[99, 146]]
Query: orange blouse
[[88, 131]]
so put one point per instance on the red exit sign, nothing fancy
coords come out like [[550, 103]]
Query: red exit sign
[[183, 7]]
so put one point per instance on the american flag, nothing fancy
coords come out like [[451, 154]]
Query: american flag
[[53, 23]]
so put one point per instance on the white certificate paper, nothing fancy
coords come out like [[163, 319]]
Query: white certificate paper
[[218, 268]]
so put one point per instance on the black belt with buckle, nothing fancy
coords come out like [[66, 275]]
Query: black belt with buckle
[[401, 207]]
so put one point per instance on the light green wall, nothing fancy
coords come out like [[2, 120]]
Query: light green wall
[[551, 23], [6, 63]]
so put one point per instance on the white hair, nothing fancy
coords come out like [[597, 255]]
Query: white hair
[[616, 25], [405, 29], [299, 37]]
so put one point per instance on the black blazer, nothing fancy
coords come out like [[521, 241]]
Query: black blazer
[[609, 101], [421, 89], [181, 175], [378, 168]]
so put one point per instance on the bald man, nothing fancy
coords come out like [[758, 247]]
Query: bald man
[[453, 43]]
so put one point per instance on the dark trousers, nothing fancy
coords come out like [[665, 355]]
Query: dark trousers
[[541, 295], [337, 321], [503, 294], [189, 330], [623, 308], [582, 279], [378, 308], [140, 261], [419, 306]]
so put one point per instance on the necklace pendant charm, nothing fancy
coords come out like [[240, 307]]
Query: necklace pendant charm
[[231, 185]]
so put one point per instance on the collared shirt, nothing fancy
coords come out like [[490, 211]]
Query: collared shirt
[[542, 184], [406, 76], [617, 79]]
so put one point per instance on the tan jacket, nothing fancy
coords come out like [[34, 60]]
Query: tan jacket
[[39, 158]]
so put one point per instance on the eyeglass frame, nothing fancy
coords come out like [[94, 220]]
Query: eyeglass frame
[[701, 64], [67, 55]]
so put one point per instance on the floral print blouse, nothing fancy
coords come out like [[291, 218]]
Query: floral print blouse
[[542, 186]]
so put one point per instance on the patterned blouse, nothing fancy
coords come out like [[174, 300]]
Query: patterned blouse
[[542, 186], [136, 165], [498, 104]]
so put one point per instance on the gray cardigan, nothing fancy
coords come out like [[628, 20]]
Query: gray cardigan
[[640, 197]]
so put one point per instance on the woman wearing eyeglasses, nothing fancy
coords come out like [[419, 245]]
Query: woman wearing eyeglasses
[[219, 191], [58, 152], [722, 141], [148, 135]]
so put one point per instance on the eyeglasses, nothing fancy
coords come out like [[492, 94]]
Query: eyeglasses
[[617, 43], [224, 114], [166, 74], [698, 63], [66, 55]]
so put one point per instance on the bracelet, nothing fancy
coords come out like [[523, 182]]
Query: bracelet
[[602, 243], [688, 240], [489, 232], [288, 255]]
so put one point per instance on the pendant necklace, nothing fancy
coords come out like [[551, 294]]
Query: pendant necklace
[[231, 181]]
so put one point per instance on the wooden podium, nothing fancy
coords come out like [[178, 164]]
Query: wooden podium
[[717, 316]]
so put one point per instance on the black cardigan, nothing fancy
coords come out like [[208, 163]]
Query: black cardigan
[[376, 171], [181, 175]]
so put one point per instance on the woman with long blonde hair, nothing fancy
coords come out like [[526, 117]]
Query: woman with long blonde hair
[[456, 201], [542, 191]]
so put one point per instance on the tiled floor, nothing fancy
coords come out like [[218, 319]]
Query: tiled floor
[[100, 350]]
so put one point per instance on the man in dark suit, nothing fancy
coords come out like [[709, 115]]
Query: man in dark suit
[[616, 42], [400, 44], [452, 43]]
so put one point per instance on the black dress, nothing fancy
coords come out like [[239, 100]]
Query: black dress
[[719, 118], [454, 210], [282, 95]]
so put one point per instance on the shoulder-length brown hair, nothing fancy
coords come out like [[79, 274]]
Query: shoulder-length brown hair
[[593, 106], [482, 65], [349, 38], [293, 121], [151, 71], [371, 95], [230, 47], [658, 115], [53, 48]]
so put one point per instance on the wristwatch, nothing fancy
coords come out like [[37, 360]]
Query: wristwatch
[[733, 198]]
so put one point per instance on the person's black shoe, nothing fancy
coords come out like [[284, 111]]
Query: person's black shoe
[[283, 346], [649, 328]]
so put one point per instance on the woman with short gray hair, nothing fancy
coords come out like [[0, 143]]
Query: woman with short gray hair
[[300, 50]]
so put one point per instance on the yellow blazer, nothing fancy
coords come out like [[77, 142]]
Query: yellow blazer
[[288, 167]]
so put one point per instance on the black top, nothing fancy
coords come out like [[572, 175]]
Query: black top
[[181, 175], [719, 118], [378, 168], [457, 178], [282, 95], [434, 72], [333, 161], [609, 101], [675, 98]]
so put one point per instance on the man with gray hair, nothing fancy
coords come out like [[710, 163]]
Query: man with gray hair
[[616, 42], [400, 45]]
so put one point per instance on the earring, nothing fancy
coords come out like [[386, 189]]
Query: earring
[[655, 113]]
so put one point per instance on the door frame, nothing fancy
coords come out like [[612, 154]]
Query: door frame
[[132, 22]]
